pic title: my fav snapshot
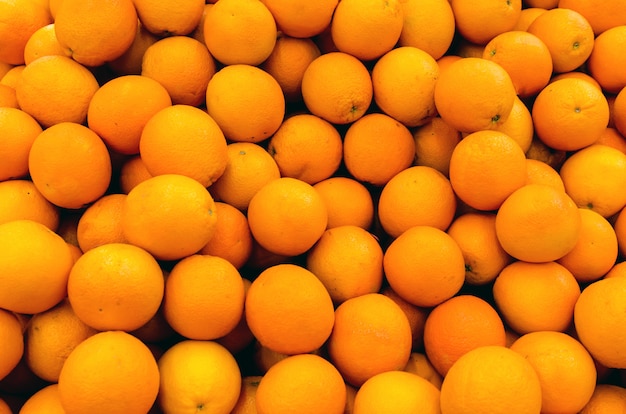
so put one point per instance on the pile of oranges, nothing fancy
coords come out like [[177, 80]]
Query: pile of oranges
[[330, 206]]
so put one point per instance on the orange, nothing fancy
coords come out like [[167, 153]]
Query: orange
[[601, 15], [425, 266], [613, 138], [46, 400], [301, 19], [480, 22], [246, 102], [54, 89], [458, 325], [182, 65], [111, 370], [349, 262], [519, 125], [593, 178], [570, 114], [264, 358], [472, 94], [204, 297], [568, 36], [486, 167], [306, 383], [539, 172], [19, 131], [434, 143], [12, 342], [536, 296], [397, 391], [11, 77], [338, 87], [129, 63], [44, 42], [540, 151], [371, 335], [115, 286], [366, 29], [404, 83], [529, 14], [287, 216], [249, 167], [538, 223], [619, 226], [121, 107], [348, 202], [171, 18], [491, 376], [100, 223], [20, 19], [580, 75], [428, 25], [8, 97], [595, 252], [182, 139], [289, 59], [170, 215], [598, 321], [606, 57], [50, 337], [371, 161], [416, 186], [616, 271], [415, 314], [232, 239], [618, 112], [306, 147], [566, 371], [36, 263], [420, 365], [22, 200], [246, 404], [132, 172], [198, 375], [240, 32], [5, 68], [70, 165], [86, 29], [525, 57], [289, 310], [475, 233], [240, 337], [606, 398]]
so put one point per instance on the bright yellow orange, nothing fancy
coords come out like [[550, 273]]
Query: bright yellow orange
[[338, 87], [204, 297], [95, 32], [240, 32], [348, 202], [494, 377], [416, 186], [104, 370], [182, 65], [51, 336], [428, 25], [538, 223], [12, 344], [397, 390], [349, 262], [536, 296], [370, 161], [479, 22], [425, 266], [371, 335], [434, 143], [100, 223], [287, 216], [19, 132], [20, 20], [306, 147], [172, 18], [120, 109], [246, 102], [485, 168], [54, 89], [301, 19], [472, 94], [306, 383], [458, 325], [249, 167], [36, 263], [289, 310], [44, 42], [22, 200], [169, 215], [70, 165]]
